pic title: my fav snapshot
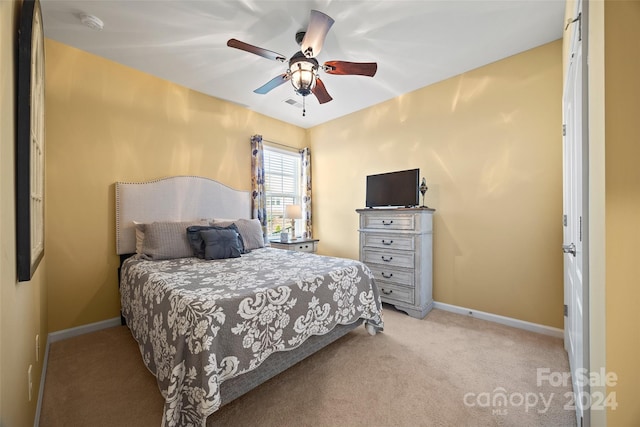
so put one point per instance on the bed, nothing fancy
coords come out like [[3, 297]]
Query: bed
[[223, 313]]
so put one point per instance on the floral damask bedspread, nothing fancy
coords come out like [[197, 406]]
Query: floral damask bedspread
[[199, 323]]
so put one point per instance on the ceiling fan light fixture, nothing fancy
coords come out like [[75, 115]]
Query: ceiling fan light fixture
[[303, 76]]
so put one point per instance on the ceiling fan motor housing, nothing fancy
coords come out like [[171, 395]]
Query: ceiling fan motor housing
[[300, 37]]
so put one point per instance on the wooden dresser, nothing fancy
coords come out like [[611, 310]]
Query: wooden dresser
[[396, 244]]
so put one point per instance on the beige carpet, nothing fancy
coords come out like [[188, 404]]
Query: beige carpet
[[444, 370]]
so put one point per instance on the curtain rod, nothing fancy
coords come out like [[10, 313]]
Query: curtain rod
[[281, 145]]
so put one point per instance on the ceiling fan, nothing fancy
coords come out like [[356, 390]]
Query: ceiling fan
[[303, 67]]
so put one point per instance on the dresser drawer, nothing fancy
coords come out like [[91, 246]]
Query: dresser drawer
[[391, 293], [382, 240], [392, 275], [390, 258], [388, 222]]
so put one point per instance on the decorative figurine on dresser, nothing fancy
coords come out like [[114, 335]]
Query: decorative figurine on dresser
[[396, 242]]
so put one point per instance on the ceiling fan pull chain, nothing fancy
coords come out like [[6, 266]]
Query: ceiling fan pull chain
[[304, 109]]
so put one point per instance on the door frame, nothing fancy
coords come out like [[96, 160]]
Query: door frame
[[580, 29]]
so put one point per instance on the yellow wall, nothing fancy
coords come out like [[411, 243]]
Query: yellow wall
[[108, 123], [622, 153], [22, 305], [490, 146]]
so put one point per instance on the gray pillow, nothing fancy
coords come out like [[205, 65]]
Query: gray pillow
[[250, 231], [167, 240], [197, 242], [220, 244]]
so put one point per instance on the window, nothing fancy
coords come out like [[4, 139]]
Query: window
[[282, 185]]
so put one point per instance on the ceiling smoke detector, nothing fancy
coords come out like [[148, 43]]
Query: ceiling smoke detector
[[92, 22]]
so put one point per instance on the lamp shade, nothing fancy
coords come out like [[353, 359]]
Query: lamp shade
[[293, 212]]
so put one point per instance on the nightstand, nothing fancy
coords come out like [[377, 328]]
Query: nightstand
[[300, 245]]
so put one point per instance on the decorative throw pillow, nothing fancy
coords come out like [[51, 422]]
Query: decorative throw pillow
[[250, 230], [220, 244], [167, 240], [139, 226], [197, 242]]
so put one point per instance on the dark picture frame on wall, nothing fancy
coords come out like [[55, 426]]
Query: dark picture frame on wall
[[30, 138]]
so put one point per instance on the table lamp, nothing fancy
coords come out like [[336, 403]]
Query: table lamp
[[293, 212]]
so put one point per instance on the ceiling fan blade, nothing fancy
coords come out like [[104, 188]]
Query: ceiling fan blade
[[273, 83], [269, 54], [319, 25], [351, 68], [321, 92]]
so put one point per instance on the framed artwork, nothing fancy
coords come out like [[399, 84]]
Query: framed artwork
[[30, 137]]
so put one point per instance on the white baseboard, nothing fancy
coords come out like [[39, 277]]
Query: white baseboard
[[81, 330], [508, 321], [43, 376], [62, 335]]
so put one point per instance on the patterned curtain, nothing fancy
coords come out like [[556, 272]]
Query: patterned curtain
[[305, 155], [258, 199]]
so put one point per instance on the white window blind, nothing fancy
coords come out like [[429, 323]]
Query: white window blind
[[282, 185]]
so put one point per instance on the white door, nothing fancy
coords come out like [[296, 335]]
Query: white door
[[575, 219]]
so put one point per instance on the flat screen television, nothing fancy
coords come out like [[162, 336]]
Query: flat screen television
[[393, 189]]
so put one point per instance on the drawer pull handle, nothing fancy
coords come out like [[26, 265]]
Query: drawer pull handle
[[386, 292], [387, 222], [387, 242], [387, 276], [386, 259]]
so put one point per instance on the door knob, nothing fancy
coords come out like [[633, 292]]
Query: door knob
[[569, 249]]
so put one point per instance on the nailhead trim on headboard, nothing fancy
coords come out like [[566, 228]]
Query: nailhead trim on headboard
[[174, 199]]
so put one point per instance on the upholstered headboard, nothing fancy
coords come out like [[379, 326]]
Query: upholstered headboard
[[178, 198]]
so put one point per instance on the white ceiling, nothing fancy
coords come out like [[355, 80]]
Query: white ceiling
[[415, 43]]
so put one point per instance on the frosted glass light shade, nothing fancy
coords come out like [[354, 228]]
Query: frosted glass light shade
[[303, 77]]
